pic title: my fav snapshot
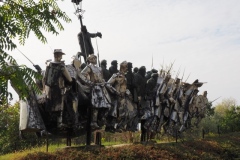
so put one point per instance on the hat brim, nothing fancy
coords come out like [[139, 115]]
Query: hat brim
[[59, 52]]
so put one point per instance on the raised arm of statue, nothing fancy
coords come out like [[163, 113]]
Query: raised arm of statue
[[93, 35], [85, 75], [110, 84]]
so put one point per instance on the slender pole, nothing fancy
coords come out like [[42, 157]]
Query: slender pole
[[47, 144], [88, 127], [176, 134]]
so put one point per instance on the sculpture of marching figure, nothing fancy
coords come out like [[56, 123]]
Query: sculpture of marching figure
[[201, 106], [139, 98], [189, 98], [132, 124], [92, 76], [77, 89], [57, 86], [30, 117], [84, 39], [161, 104], [123, 109], [106, 73], [114, 67], [176, 94], [151, 92], [130, 76]]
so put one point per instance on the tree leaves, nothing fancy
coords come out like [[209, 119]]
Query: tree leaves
[[18, 18]]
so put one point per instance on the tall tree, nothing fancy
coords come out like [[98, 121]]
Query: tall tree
[[18, 18]]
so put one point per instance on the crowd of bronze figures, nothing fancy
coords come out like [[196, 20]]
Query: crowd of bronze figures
[[112, 99]]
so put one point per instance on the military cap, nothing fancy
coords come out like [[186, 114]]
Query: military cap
[[58, 51]]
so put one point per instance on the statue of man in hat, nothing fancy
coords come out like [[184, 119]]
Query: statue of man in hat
[[84, 39], [57, 82], [92, 76]]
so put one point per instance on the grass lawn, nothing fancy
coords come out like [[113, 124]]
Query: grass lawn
[[225, 146]]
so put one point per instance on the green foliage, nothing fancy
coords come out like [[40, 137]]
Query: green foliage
[[226, 116], [9, 131], [18, 18], [231, 120], [9, 122]]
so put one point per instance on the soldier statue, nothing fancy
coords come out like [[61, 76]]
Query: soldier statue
[[151, 92], [76, 89], [106, 73], [176, 105], [161, 111], [189, 97], [201, 106], [123, 110], [139, 98], [114, 67], [92, 76], [57, 85], [84, 39], [149, 73], [129, 75]]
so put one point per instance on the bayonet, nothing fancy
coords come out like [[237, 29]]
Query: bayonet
[[211, 102], [214, 99], [187, 77], [170, 67]]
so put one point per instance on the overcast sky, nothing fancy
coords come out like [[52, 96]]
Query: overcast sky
[[202, 36]]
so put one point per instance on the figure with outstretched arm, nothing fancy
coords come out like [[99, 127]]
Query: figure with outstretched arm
[[84, 39]]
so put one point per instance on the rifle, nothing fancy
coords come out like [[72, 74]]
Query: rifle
[[212, 101], [37, 67]]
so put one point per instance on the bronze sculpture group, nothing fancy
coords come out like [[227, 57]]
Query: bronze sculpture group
[[116, 102], [82, 97]]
